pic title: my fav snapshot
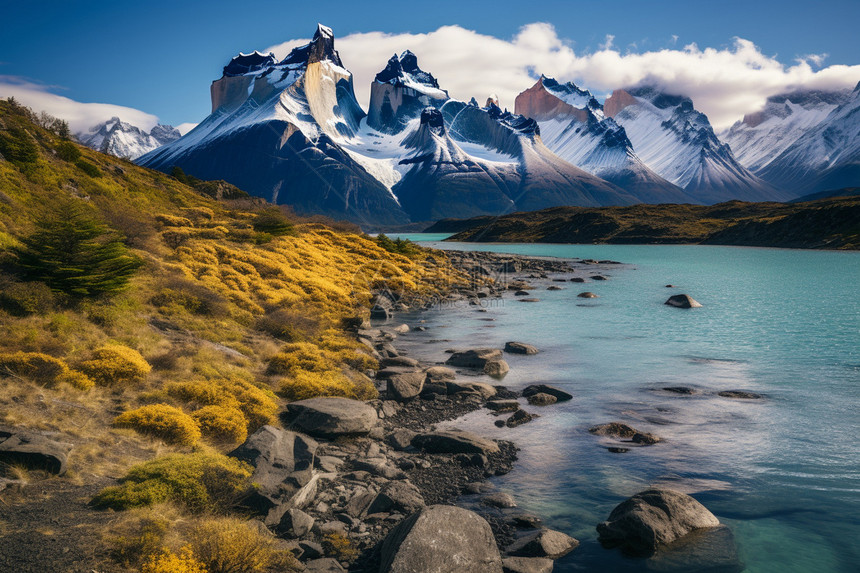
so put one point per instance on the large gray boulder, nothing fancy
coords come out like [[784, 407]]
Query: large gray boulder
[[454, 442], [653, 518], [324, 565], [475, 358], [405, 386], [441, 539], [283, 463], [331, 417], [33, 450], [546, 543], [295, 523]]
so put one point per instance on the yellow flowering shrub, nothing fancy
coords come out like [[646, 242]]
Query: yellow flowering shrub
[[169, 562], [200, 482], [229, 545], [116, 365], [222, 424], [43, 369], [257, 404], [161, 421], [303, 384]]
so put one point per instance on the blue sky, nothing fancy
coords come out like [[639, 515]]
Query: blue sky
[[160, 56]]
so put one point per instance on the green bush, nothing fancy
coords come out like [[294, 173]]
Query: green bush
[[161, 421], [271, 221], [116, 365], [202, 483], [17, 146], [68, 151], [76, 254], [398, 245], [22, 299], [88, 168]]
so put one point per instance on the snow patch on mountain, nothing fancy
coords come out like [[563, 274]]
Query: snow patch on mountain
[[122, 139]]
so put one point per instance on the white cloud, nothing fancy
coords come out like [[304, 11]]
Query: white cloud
[[724, 83], [185, 127], [81, 116]]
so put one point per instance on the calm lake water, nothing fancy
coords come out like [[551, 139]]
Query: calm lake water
[[783, 472]]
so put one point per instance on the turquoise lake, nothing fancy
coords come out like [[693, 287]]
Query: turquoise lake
[[783, 472]]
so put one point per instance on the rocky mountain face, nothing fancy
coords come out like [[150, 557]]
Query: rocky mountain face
[[122, 139], [276, 131], [825, 156], [291, 131], [574, 126], [677, 141]]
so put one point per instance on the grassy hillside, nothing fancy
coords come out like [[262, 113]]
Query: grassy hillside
[[141, 318], [832, 223]]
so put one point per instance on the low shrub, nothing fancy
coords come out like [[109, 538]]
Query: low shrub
[[161, 421], [257, 404], [68, 151], [42, 369], [304, 384], [88, 168], [339, 546], [22, 299], [289, 325], [169, 562], [77, 379], [296, 357], [200, 482], [273, 222], [231, 545], [116, 365], [222, 424]]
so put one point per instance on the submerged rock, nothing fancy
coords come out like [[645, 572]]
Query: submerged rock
[[651, 519], [500, 500], [541, 399], [740, 394], [587, 295], [527, 565], [682, 301], [519, 418], [619, 430], [441, 539]]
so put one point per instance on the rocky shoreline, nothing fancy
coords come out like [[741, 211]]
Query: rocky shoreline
[[365, 482]]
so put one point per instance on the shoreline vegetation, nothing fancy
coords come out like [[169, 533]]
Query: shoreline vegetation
[[193, 381], [827, 223]]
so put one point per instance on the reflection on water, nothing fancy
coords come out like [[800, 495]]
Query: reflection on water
[[783, 472]]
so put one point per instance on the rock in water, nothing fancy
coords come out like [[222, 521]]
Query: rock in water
[[559, 394], [33, 451], [519, 418], [541, 399], [441, 539], [682, 301], [331, 417], [710, 550], [496, 368], [651, 519], [520, 348], [587, 295], [740, 395], [474, 358], [543, 543]]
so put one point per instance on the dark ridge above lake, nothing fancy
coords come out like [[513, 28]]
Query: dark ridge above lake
[[832, 223]]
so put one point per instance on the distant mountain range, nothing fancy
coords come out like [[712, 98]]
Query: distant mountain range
[[122, 139], [292, 131]]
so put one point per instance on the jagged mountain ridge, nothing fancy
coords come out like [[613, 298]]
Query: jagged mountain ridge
[[677, 141], [275, 130], [826, 156], [574, 126], [122, 139], [292, 132]]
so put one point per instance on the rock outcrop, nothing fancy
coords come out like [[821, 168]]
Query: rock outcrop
[[331, 417], [653, 518], [441, 539], [33, 450]]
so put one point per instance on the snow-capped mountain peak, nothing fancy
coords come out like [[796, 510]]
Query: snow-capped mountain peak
[[400, 92], [677, 141], [122, 139]]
